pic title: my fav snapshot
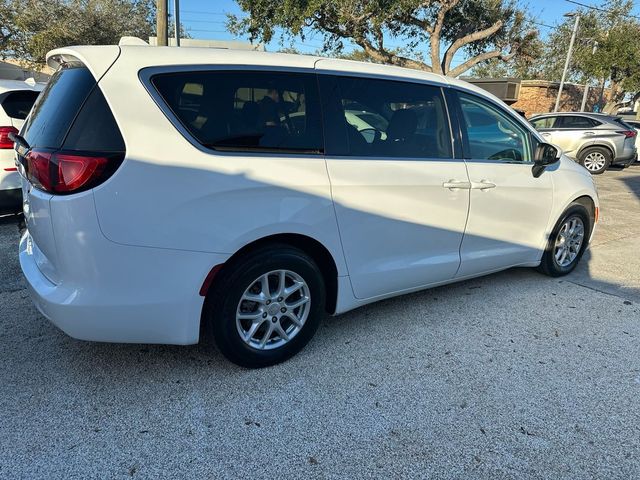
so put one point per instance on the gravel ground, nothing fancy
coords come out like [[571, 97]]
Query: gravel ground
[[514, 375]]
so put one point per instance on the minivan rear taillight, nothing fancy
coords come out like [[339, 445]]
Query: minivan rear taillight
[[5, 142], [65, 172]]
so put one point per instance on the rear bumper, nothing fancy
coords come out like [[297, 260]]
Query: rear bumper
[[11, 200], [139, 296], [626, 159]]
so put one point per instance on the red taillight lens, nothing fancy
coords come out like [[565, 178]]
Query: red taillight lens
[[5, 141], [38, 169], [69, 172], [75, 171], [628, 133]]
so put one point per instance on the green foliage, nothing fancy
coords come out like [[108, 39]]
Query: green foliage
[[33, 27], [526, 65], [396, 31], [606, 50], [612, 34]]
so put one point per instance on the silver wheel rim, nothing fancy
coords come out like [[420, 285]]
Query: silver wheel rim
[[569, 241], [273, 309], [595, 161]]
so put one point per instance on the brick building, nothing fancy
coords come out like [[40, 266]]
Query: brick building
[[539, 96]]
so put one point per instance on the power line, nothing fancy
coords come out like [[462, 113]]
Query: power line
[[598, 8], [204, 30], [219, 22], [302, 44], [200, 12], [542, 24]]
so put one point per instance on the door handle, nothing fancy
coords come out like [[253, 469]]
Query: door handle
[[455, 185], [545, 134], [482, 185], [589, 133]]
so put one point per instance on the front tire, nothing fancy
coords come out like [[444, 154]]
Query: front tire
[[567, 242], [266, 307], [596, 159]]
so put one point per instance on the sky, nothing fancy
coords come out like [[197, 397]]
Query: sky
[[206, 19]]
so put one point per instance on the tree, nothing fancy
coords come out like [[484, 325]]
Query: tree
[[526, 65], [605, 50], [483, 29], [7, 28], [33, 27]]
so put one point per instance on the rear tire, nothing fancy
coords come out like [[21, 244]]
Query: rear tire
[[268, 329], [596, 159], [566, 244]]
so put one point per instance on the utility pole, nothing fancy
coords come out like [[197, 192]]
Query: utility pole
[[176, 9], [566, 63], [162, 27], [584, 97], [586, 84]]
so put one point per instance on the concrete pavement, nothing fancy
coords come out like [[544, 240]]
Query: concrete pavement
[[514, 375]]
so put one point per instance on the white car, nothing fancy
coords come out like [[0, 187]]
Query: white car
[[16, 99], [168, 193], [636, 125]]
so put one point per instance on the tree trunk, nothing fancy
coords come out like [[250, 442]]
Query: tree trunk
[[614, 98], [636, 105]]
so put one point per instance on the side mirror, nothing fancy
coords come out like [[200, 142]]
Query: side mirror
[[546, 154]]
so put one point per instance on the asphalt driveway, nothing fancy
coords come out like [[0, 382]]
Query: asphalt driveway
[[515, 375]]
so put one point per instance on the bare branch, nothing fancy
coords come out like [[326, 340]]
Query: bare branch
[[463, 67], [385, 56], [467, 39], [417, 22], [379, 36], [436, 32]]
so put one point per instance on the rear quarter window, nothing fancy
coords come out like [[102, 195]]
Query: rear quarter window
[[246, 110], [18, 104], [625, 123], [57, 107]]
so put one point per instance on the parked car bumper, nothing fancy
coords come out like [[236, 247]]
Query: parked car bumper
[[131, 301], [625, 160]]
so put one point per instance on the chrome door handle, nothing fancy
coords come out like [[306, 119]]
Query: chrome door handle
[[455, 185], [589, 133], [545, 134], [482, 185]]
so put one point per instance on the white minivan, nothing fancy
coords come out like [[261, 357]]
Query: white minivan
[[174, 193]]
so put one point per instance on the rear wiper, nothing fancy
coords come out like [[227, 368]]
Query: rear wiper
[[14, 137]]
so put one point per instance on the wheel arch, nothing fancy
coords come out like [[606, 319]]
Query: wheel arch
[[312, 247], [606, 146], [590, 205]]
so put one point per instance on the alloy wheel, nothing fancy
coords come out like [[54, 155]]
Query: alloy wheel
[[569, 241], [595, 161], [273, 309]]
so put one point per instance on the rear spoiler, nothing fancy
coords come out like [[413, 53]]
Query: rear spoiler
[[97, 59]]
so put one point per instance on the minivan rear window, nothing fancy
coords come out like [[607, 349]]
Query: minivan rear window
[[57, 106], [246, 110], [18, 104]]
